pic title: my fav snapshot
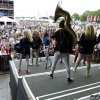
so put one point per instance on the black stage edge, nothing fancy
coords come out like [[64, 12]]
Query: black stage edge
[[13, 81], [24, 92], [21, 93], [4, 64]]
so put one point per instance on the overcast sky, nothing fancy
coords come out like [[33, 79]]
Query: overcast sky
[[36, 8]]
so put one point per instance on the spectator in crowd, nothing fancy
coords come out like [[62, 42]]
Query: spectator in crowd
[[87, 42]]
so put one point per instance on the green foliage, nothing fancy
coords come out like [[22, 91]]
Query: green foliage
[[83, 17], [76, 16], [51, 17]]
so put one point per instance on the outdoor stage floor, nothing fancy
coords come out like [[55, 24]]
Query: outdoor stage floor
[[44, 88], [41, 68]]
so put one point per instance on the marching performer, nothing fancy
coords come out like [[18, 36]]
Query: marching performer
[[65, 39]]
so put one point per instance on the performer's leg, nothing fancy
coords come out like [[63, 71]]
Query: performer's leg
[[80, 56], [55, 60], [37, 56], [27, 60], [20, 61], [84, 60], [31, 56], [88, 57]]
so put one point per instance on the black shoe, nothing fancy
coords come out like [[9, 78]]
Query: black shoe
[[70, 80], [61, 61], [51, 76]]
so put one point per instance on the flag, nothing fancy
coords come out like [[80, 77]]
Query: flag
[[88, 18], [91, 18], [95, 18], [98, 18]]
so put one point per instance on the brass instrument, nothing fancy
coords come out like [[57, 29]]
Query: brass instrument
[[59, 12]]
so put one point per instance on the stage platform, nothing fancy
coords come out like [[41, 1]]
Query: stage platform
[[38, 86], [41, 68]]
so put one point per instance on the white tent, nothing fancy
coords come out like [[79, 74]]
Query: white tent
[[6, 19]]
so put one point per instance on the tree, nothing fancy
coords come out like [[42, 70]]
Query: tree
[[90, 14], [51, 17], [76, 16], [84, 15]]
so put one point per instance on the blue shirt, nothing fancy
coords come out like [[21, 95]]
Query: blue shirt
[[46, 41]]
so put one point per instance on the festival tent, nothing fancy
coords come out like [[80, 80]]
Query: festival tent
[[6, 19]]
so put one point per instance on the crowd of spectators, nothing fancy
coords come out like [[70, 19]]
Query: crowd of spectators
[[11, 34]]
